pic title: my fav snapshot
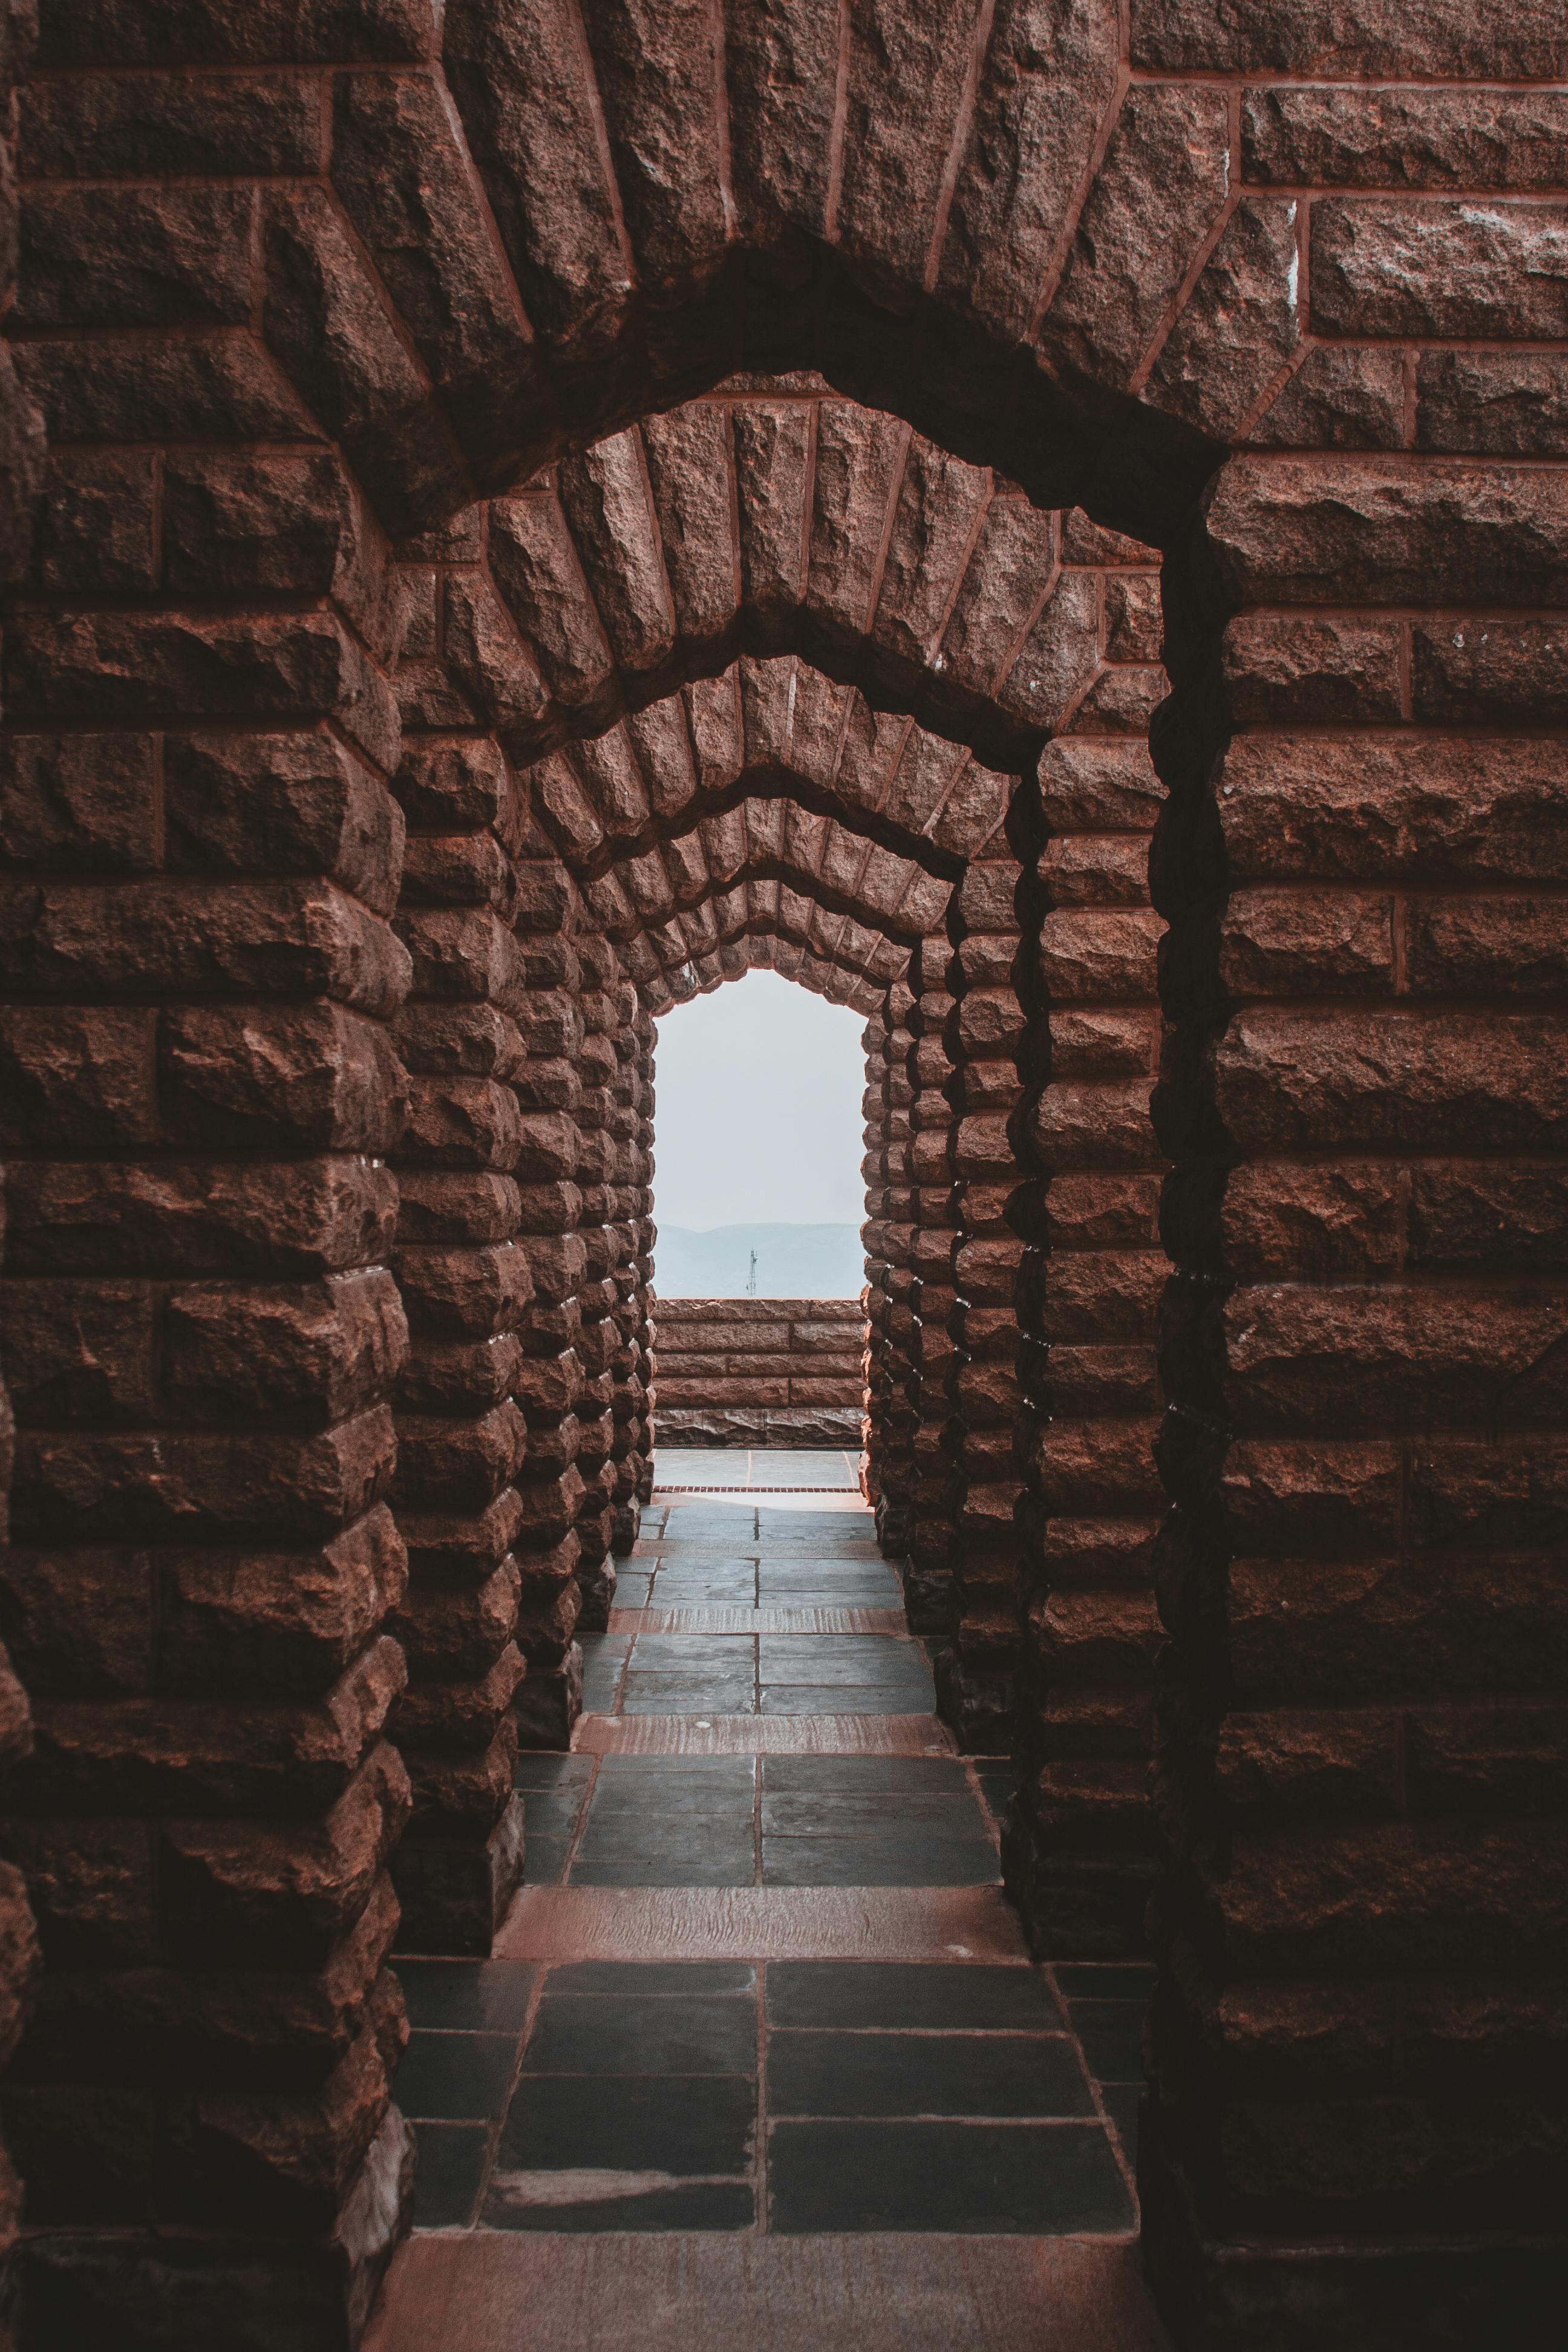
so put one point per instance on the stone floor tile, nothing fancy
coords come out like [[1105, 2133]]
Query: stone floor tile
[[450, 2173], [869, 1775], [544, 1865], [454, 2078], [583, 2033], [472, 1996], [1104, 1979], [841, 1698], [816, 2074], [973, 1998], [688, 1694], [681, 2125], [1005, 2179], [869, 1812], [720, 1865], [551, 1775], [879, 1861], [1112, 2032], [654, 1980]]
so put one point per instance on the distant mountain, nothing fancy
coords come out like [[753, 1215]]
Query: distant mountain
[[793, 1261]]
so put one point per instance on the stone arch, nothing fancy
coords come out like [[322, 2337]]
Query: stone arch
[[1364, 1011]]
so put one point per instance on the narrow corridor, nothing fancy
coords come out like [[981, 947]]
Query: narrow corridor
[[762, 1986]]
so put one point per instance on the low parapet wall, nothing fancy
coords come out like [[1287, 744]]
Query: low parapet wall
[[759, 1371]]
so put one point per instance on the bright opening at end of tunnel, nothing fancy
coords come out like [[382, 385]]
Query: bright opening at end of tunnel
[[758, 1143]]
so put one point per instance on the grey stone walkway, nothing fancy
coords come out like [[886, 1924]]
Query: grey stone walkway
[[760, 1983]]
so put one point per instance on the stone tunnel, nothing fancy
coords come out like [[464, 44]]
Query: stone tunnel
[[1041, 522]]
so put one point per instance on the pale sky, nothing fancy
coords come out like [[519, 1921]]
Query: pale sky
[[757, 1116]]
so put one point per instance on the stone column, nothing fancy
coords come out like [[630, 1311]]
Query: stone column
[[898, 1457], [465, 1279], [203, 1337], [603, 1156], [550, 1376], [983, 1035], [1355, 2124], [1080, 1859], [933, 1503]]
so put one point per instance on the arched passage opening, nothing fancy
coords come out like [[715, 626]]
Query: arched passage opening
[[203, 1080]]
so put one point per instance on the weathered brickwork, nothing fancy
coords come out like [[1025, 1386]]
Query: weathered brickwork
[[548, 509], [761, 1372]]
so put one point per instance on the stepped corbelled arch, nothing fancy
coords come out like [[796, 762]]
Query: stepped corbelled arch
[[298, 288]]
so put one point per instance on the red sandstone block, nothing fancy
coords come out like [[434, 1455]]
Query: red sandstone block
[[1319, 1633], [1298, 530], [471, 1040], [1489, 673], [1091, 1043], [1087, 1211], [1428, 1081], [1323, 1498], [1281, 671], [1306, 944], [179, 1218], [79, 1351], [1449, 40], [203, 1757], [1460, 139], [457, 870], [1074, 1553], [1097, 1637], [1333, 1222], [1342, 396], [1409, 807], [295, 804], [474, 1206], [301, 938], [1498, 403], [131, 668], [1096, 870], [141, 125], [326, 321], [1098, 1294], [86, 800], [183, 32], [280, 1489], [1434, 268], [1486, 1215], [1076, 1125], [1476, 1491], [311, 1077], [324, 1352], [468, 952], [1485, 947], [1091, 786], [96, 526], [449, 1632], [1333, 1764], [463, 1123], [1395, 1895], [464, 1293], [282, 1623], [1093, 1468], [1094, 1382], [846, 1389], [136, 256], [459, 1716], [459, 1466], [460, 783], [251, 525]]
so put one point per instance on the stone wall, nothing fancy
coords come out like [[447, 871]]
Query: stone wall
[[759, 1372], [549, 507]]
